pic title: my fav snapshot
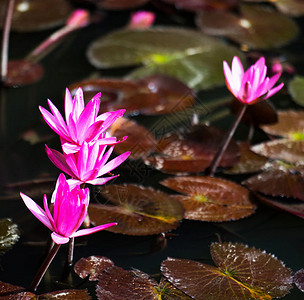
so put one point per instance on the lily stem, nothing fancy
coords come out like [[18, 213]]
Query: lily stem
[[44, 267], [70, 252], [217, 158]]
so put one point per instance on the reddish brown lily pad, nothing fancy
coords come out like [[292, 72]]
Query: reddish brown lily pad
[[192, 151], [298, 279], [290, 125], [22, 72], [140, 141], [152, 95], [92, 266], [120, 4], [37, 15], [66, 295], [287, 150], [137, 210], [257, 27], [242, 272], [279, 180], [250, 162], [211, 199]]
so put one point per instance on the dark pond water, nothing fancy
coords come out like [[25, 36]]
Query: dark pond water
[[273, 231]]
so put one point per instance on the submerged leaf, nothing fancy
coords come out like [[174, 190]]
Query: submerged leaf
[[9, 235], [257, 27], [211, 199], [243, 273], [137, 210], [182, 53]]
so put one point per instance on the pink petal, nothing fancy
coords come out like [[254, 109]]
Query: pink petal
[[92, 230], [57, 115], [37, 211], [78, 104], [112, 118], [101, 181], [274, 90], [68, 105], [48, 213], [111, 141], [59, 239], [73, 183], [237, 71], [68, 148]]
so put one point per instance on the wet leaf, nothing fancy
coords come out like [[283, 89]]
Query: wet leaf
[[290, 125], [192, 151], [152, 95], [13, 292], [22, 72], [296, 89], [37, 15], [250, 162], [242, 272], [279, 180], [92, 266], [211, 199], [167, 291], [182, 53], [283, 149], [256, 27], [137, 210], [140, 141], [120, 4], [298, 279], [9, 235], [258, 114], [204, 5], [66, 295]]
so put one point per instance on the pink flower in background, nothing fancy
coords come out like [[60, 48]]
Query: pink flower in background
[[70, 210], [82, 123], [141, 20], [251, 86], [88, 164], [79, 18]]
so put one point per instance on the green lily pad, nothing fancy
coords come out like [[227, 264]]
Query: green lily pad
[[257, 27], [9, 235], [296, 89], [242, 272], [185, 54]]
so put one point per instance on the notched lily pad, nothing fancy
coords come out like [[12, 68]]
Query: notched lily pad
[[9, 235], [36, 15], [151, 95], [242, 272], [279, 180], [137, 210], [22, 72], [140, 141], [256, 27], [192, 151], [186, 54], [211, 199], [92, 266]]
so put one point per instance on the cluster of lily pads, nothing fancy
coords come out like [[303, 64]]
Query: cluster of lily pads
[[171, 66]]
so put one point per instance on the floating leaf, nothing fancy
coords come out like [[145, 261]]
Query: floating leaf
[[66, 295], [298, 279], [257, 27], [137, 210], [140, 141], [192, 151], [152, 95], [243, 273], [296, 89], [22, 72], [290, 125], [283, 149], [9, 235], [250, 162], [279, 179], [211, 199], [120, 4], [182, 53], [37, 15], [13, 292], [92, 266], [197, 5]]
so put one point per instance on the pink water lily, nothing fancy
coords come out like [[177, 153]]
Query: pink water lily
[[251, 86], [82, 123], [87, 165], [70, 210]]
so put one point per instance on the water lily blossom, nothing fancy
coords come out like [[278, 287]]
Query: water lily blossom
[[251, 86], [70, 210], [87, 165], [82, 123], [141, 20]]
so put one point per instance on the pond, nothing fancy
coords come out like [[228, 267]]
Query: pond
[[187, 47]]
